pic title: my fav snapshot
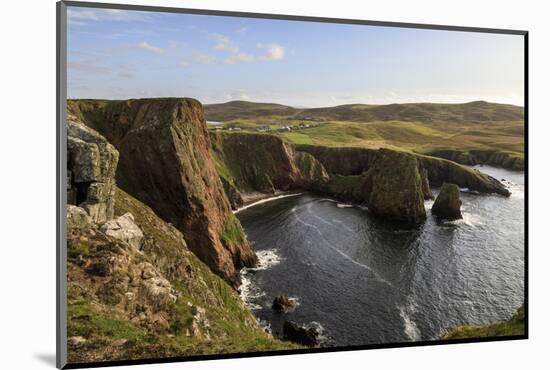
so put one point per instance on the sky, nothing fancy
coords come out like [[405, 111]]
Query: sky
[[121, 54]]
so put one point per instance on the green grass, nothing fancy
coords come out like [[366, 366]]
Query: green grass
[[233, 233], [421, 128], [514, 326], [297, 138], [87, 321]]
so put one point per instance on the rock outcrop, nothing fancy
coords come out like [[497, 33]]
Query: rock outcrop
[[91, 168], [282, 303], [355, 161], [306, 335], [123, 228], [393, 187], [447, 204], [255, 162], [78, 219], [166, 162], [489, 157], [159, 301], [442, 170], [263, 163]]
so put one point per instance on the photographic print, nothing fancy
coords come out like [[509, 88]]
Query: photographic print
[[239, 184]]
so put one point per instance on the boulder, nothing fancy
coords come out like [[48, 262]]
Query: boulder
[[305, 335], [124, 228], [91, 165], [393, 187], [282, 303], [447, 204], [78, 219]]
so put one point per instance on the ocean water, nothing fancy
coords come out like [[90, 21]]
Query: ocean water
[[363, 280]]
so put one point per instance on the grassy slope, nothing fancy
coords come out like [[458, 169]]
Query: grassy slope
[[233, 328], [422, 128], [514, 326]]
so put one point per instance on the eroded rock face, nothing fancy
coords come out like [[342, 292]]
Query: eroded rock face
[[91, 165], [166, 163], [257, 162], [393, 187], [123, 228], [447, 204], [312, 172], [118, 276]]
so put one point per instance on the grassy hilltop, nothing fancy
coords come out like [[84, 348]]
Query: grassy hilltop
[[424, 128]]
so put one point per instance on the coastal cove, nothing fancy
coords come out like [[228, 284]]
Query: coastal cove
[[365, 280]]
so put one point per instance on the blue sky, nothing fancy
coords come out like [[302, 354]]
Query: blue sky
[[117, 54]]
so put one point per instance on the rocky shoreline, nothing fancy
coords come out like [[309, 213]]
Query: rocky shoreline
[[155, 159]]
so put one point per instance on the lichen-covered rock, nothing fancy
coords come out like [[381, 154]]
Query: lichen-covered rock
[[123, 228], [78, 219], [447, 204], [393, 187], [91, 164]]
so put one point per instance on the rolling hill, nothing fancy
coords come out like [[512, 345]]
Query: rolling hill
[[467, 113]]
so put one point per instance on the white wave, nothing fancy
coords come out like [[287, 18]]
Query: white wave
[[266, 259], [341, 205], [378, 277], [262, 201], [248, 291], [428, 204], [411, 330]]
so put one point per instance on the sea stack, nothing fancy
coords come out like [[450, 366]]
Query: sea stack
[[447, 204], [393, 187]]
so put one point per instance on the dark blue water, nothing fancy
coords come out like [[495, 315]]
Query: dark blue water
[[366, 281]]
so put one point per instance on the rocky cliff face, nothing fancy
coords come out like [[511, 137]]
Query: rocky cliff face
[[355, 161], [166, 162], [475, 157], [91, 167], [263, 163], [393, 184]]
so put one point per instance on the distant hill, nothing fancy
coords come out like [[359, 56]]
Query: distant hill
[[473, 112]]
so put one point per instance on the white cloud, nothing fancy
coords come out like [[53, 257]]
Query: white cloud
[[224, 43], [272, 51], [241, 30], [148, 47], [100, 15], [239, 58], [237, 95]]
